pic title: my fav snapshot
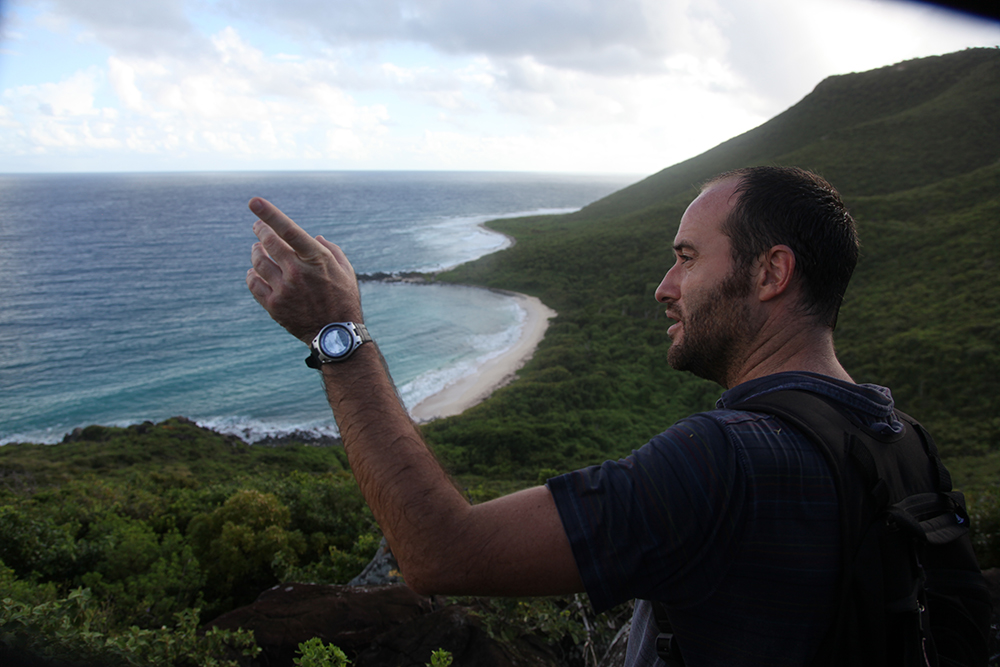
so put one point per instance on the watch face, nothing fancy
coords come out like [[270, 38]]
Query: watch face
[[335, 342]]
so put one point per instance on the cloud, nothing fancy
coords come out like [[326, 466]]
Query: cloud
[[630, 85], [230, 101], [128, 28], [72, 97], [590, 35]]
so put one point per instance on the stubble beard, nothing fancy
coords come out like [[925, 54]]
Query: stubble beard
[[716, 330]]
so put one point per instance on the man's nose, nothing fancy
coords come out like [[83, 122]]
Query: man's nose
[[667, 290]]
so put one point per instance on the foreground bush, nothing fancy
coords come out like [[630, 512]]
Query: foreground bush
[[76, 630]]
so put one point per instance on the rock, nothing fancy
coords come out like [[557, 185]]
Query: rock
[[380, 571], [350, 617], [457, 631], [375, 626]]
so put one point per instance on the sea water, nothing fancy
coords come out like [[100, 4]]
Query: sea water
[[122, 296]]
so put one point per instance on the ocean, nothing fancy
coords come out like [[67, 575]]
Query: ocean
[[122, 296]]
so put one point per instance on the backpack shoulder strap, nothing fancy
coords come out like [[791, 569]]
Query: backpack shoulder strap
[[894, 477], [832, 430], [858, 459], [878, 477]]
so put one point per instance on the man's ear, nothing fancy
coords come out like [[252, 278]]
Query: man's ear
[[777, 267]]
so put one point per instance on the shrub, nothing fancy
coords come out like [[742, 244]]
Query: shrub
[[238, 543], [76, 630], [34, 546], [314, 653]]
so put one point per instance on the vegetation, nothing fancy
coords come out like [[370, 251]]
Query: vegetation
[[118, 542], [159, 528], [314, 653], [77, 630]]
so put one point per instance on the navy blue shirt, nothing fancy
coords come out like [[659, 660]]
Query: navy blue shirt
[[729, 518]]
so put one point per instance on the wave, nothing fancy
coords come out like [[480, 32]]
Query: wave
[[258, 431], [455, 240], [488, 347]]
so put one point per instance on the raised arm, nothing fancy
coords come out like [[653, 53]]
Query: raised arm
[[513, 545]]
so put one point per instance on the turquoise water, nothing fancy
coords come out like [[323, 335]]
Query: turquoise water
[[122, 296]]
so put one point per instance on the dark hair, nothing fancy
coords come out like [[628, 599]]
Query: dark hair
[[793, 207]]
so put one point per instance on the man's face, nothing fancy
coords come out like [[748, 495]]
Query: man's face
[[704, 294]]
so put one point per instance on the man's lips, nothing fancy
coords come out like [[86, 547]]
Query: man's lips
[[677, 323]]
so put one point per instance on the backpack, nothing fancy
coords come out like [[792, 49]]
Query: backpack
[[911, 591]]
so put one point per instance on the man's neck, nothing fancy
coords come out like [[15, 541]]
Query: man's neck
[[790, 348]]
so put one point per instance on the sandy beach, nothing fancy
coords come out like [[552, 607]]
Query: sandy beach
[[495, 373]]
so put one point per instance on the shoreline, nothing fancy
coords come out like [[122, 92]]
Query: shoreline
[[476, 387], [454, 399]]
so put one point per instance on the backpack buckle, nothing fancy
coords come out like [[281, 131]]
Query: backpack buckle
[[668, 650]]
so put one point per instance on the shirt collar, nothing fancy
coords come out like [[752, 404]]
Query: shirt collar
[[871, 403]]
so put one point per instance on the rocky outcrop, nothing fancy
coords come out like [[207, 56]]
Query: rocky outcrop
[[391, 626], [350, 617], [376, 626]]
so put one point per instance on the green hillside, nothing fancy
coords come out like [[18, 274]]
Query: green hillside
[[915, 150]]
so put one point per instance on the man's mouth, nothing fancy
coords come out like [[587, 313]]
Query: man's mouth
[[675, 327]]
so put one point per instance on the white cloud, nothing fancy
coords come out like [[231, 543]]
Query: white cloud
[[631, 85], [591, 35], [122, 77], [231, 102], [72, 97]]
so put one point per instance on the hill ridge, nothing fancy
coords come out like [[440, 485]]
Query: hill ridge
[[930, 77]]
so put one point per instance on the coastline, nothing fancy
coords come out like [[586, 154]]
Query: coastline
[[476, 387]]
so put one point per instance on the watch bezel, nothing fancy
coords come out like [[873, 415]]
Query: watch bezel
[[357, 333], [351, 342]]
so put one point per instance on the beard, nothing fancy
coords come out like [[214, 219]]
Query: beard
[[716, 330]]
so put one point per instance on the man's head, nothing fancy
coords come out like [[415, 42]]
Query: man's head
[[793, 207], [743, 226]]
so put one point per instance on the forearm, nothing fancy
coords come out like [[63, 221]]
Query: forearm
[[421, 513], [513, 545]]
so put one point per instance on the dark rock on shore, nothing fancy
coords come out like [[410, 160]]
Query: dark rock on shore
[[382, 277]]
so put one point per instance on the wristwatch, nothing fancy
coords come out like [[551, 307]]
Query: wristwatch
[[336, 342]]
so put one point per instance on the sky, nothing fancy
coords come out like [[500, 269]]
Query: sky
[[592, 86]]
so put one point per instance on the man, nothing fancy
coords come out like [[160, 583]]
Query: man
[[728, 518]]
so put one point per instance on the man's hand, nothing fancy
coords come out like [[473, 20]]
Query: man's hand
[[304, 283]]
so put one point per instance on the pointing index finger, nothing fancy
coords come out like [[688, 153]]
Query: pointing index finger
[[296, 237]]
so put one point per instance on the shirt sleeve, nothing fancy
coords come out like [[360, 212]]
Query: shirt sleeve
[[663, 523]]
